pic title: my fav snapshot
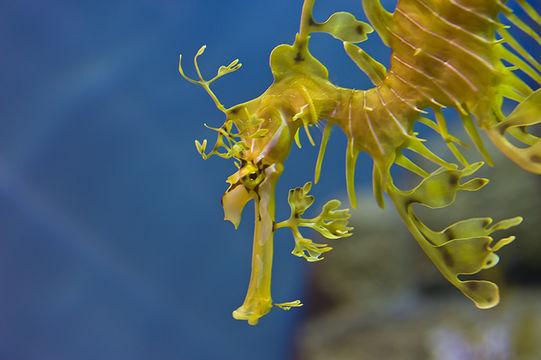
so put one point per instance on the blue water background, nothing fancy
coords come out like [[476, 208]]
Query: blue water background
[[112, 243]]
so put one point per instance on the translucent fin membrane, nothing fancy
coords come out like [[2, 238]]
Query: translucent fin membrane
[[462, 248]]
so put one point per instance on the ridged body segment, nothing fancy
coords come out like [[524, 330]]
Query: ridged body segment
[[444, 50]]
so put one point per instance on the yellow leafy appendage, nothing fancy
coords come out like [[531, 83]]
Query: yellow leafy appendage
[[444, 54]]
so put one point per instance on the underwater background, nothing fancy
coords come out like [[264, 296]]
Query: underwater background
[[112, 239]]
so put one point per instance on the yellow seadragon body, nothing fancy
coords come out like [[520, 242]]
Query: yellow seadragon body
[[444, 54]]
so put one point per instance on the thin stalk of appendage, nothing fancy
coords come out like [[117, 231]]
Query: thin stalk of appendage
[[306, 17], [258, 301]]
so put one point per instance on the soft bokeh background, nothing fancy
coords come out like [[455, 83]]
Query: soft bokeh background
[[112, 240], [112, 244]]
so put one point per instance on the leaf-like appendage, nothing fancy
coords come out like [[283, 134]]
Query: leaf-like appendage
[[308, 249], [223, 70], [201, 147], [287, 59], [439, 189], [375, 71], [299, 201], [331, 223], [380, 19], [288, 305], [463, 248], [343, 26]]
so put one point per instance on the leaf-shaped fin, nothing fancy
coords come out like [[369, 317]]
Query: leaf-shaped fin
[[502, 242], [331, 223], [309, 250], [466, 228], [462, 248], [439, 189], [464, 256], [288, 305], [343, 26], [526, 113], [380, 19], [233, 66], [201, 147], [233, 203], [484, 294], [299, 200], [373, 69], [287, 59]]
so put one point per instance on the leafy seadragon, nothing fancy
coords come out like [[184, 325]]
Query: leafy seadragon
[[445, 53]]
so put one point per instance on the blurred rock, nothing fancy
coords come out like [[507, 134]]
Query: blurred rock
[[446, 328], [378, 296]]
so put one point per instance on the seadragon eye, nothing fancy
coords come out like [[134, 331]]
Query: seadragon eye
[[253, 179], [249, 175]]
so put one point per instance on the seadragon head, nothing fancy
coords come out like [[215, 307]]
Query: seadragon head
[[255, 134], [264, 140], [268, 124]]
